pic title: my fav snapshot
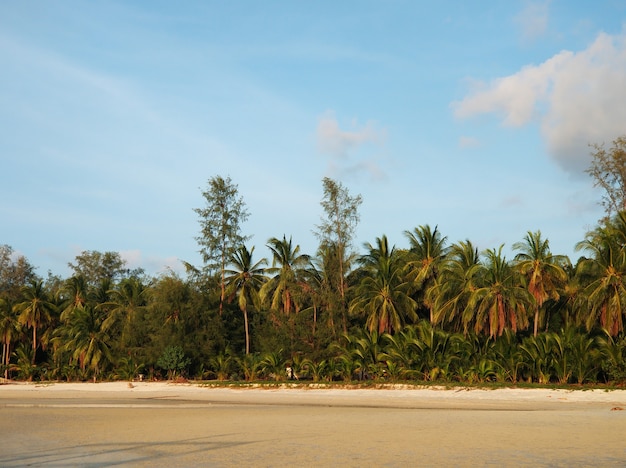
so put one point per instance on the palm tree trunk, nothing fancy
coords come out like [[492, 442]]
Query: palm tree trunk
[[34, 343], [222, 286], [536, 324], [344, 320], [6, 354], [245, 321]]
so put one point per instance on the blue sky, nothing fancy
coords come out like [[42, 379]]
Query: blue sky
[[471, 116]]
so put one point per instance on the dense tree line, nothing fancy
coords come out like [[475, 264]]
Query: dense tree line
[[433, 311]]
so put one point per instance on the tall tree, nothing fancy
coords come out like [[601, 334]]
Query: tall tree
[[127, 300], [427, 250], [15, 272], [9, 330], [336, 230], [96, 267], [73, 295], [87, 339], [287, 263], [605, 275], [544, 272], [244, 280], [220, 223], [454, 285], [498, 301], [608, 170], [35, 310]]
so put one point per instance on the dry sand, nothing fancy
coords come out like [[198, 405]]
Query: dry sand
[[160, 424]]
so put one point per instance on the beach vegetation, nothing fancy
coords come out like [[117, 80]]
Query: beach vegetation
[[427, 313]]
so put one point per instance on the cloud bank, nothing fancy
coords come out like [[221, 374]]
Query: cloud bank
[[576, 98]]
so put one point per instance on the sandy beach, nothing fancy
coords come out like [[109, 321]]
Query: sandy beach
[[164, 424]]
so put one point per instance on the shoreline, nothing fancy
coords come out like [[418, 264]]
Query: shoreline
[[391, 396]]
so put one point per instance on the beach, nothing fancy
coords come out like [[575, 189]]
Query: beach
[[166, 424]]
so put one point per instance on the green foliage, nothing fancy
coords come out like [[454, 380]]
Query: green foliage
[[173, 360], [428, 312], [128, 369], [97, 267], [222, 365], [15, 272]]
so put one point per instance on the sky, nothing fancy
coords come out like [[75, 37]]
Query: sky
[[472, 117]]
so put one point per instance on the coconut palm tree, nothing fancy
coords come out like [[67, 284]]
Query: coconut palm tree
[[427, 251], [282, 288], [383, 295], [544, 272], [9, 330], [126, 301], [88, 340], [36, 310], [453, 287], [74, 295], [498, 300], [244, 280], [605, 275]]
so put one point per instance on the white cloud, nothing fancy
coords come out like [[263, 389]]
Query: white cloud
[[533, 20], [348, 149], [575, 97]]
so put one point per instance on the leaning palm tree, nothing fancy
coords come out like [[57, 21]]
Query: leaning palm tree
[[35, 310], [544, 273], [427, 251], [244, 280], [282, 288], [498, 300], [383, 295]]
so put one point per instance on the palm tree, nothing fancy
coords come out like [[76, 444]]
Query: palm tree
[[364, 354], [8, 332], [36, 310], [74, 295], [126, 301], [250, 365], [537, 353], [383, 296], [287, 261], [453, 287], [427, 251], [438, 350], [273, 365], [497, 300], [605, 274], [544, 272], [88, 340], [245, 280]]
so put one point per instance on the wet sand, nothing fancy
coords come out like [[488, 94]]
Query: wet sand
[[158, 424]]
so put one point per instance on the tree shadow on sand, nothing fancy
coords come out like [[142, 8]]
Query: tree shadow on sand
[[118, 453]]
